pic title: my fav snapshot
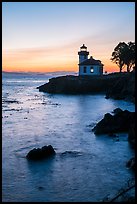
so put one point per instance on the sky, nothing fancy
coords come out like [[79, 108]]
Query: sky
[[46, 36]]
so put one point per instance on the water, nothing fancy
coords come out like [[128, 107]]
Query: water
[[85, 168]]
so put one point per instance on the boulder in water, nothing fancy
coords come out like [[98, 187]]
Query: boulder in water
[[119, 122], [41, 153]]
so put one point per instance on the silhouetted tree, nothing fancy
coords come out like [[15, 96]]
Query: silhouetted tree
[[118, 55], [130, 56], [124, 54]]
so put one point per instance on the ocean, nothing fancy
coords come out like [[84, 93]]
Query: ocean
[[86, 167]]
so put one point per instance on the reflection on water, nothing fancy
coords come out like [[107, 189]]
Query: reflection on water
[[85, 168]]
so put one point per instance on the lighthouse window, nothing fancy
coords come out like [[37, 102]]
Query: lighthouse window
[[85, 69], [91, 70]]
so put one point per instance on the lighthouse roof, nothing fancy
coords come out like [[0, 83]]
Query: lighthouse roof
[[91, 61], [83, 47]]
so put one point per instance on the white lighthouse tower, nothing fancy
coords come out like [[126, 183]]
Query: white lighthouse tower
[[88, 67], [83, 54]]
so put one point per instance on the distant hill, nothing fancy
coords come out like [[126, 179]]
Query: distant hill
[[59, 73]]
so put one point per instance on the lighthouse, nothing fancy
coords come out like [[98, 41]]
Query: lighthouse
[[83, 54], [88, 66]]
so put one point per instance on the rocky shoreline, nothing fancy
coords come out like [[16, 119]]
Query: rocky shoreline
[[119, 86], [114, 85], [120, 121]]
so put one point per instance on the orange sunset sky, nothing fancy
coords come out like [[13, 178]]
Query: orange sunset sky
[[46, 36]]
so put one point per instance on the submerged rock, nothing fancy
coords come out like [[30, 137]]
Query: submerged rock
[[131, 163], [41, 153]]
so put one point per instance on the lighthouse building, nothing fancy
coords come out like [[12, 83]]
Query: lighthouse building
[[88, 66]]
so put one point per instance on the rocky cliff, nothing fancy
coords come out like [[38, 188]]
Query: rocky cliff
[[123, 88], [115, 85]]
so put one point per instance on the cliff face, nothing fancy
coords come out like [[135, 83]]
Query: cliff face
[[116, 85], [123, 88], [74, 85]]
